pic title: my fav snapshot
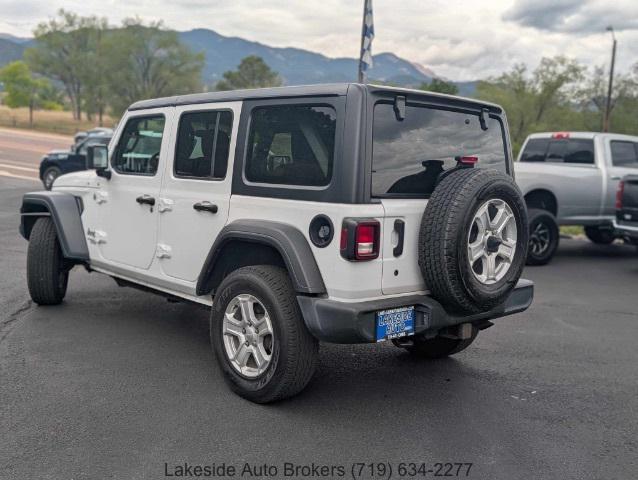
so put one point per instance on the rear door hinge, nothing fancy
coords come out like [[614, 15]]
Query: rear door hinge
[[163, 251], [165, 205], [96, 236]]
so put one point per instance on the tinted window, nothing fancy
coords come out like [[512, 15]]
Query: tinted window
[[138, 150], [291, 145], [408, 155], [580, 151], [203, 143], [624, 154], [535, 150], [575, 150]]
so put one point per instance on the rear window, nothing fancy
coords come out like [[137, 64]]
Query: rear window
[[291, 145], [624, 154], [573, 150], [408, 155]]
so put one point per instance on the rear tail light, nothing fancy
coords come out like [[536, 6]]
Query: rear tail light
[[467, 160], [360, 239], [619, 194]]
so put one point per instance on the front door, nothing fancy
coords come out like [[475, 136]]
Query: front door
[[195, 196], [128, 212]]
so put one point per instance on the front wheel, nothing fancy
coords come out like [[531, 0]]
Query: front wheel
[[47, 272], [261, 343], [544, 236]]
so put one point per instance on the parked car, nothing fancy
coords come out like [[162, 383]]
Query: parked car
[[337, 213], [571, 178], [80, 136], [626, 221], [59, 162]]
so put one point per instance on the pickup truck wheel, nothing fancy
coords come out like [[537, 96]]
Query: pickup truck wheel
[[262, 345], [544, 237], [439, 347], [473, 240], [49, 176], [600, 236], [47, 274]]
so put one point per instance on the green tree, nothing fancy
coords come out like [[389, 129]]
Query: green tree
[[252, 72], [440, 86], [147, 62], [536, 101], [22, 89], [592, 96], [62, 52]]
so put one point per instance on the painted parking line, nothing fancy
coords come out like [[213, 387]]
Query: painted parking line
[[4, 173], [17, 167]]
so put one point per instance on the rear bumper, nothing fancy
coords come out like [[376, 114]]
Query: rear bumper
[[340, 322], [628, 229]]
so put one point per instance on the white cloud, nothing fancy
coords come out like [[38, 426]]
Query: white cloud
[[459, 39]]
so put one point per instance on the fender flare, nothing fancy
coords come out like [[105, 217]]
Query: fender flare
[[286, 239], [65, 210]]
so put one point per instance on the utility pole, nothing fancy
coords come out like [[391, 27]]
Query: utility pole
[[607, 120], [360, 76]]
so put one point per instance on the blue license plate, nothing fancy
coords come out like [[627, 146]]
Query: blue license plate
[[394, 323]]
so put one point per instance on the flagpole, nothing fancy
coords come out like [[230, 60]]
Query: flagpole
[[363, 26]]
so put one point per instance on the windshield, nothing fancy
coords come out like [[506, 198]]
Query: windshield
[[408, 155]]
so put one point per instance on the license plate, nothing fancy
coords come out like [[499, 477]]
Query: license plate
[[394, 323]]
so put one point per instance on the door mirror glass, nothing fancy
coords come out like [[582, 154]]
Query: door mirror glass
[[97, 157]]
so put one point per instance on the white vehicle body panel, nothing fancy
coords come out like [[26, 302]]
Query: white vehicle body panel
[[585, 194]]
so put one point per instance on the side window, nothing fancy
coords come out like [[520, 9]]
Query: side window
[[535, 150], [138, 150], [291, 145], [624, 154], [203, 145], [580, 151]]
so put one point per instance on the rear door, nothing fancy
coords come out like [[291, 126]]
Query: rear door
[[195, 196], [622, 160], [408, 156]]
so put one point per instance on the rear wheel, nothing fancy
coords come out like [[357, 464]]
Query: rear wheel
[[599, 235], [50, 174], [262, 345], [47, 272], [544, 237]]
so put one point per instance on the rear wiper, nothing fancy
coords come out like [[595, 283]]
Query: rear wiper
[[483, 117]]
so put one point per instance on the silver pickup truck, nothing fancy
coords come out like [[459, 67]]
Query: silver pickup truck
[[571, 178]]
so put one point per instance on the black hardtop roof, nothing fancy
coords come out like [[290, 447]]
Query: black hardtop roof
[[321, 90]]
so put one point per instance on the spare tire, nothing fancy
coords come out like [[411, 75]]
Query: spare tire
[[473, 240]]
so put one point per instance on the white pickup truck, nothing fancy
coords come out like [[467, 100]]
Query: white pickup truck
[[571, 178]]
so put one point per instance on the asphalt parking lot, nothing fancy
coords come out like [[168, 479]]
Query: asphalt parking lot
[[116, 383]]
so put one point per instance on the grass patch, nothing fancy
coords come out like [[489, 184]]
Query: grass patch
[[572, 230], [47, 120]]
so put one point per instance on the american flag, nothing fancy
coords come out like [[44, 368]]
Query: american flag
[[367, 34]]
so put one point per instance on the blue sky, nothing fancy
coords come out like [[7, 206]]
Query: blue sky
[[459, 39]]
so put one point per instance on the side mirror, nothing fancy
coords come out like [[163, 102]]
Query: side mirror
[[97, 158]]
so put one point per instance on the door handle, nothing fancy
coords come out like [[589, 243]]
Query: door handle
[[205, 207], [145, 199], [399, 227], [614, 178]]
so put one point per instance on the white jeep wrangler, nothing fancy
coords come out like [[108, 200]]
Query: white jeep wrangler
[[337, 213]]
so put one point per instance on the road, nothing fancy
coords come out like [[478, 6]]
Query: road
[[117, 383], [22, 150]]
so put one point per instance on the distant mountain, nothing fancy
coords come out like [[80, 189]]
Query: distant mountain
[[10, 51], [295, 66]]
